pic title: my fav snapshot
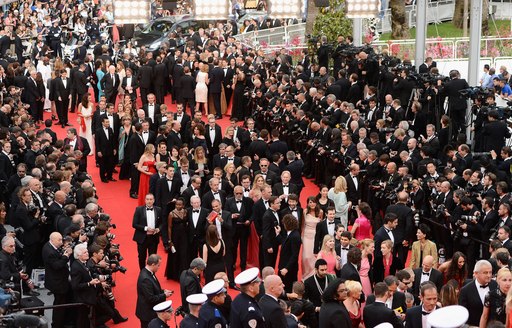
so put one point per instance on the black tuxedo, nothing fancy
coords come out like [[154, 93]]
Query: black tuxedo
[[215, 87], [435, 276], [349, 272], [470, 299], [56, 279], [269, 239], [187, 92], [164, 195], [289, 258], [236, 161], [277, 190], [189, 192], [116, 122], [62, 94], [272, 312], [156, 110], [196, 235], [241, 231], [321, 231], [298, 213], [185, 122], [82, 291], [213, 145], [136, 149], [414, 317], [149, 294], [208, 197], [146, 244], [108, 149], [110, 86], [134, 84], [96, 120], [379, 237], [271, 177], [404, 229], [174, 139], [353, 193], [397, 302], [7, 169], [377, 313]]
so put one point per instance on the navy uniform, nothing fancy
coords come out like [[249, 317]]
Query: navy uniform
[[54, 36], [190, 320], [245, 311], [163, 310], [210, 315]]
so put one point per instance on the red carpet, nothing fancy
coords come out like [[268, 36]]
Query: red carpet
[[115, 200]]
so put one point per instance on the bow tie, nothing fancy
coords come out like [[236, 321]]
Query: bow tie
[[184, 173], [149, 209], [212, 129], [215, 193], [345, 248], [109, 115], [169, 180], [332, 222], [484, 286], [247, 189], [293, 209], [387, 230], [145, 132], [425, 313], [195, 211], [285, 186], [426, 273]]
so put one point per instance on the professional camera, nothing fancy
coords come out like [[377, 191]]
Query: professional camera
[[476, 93], [180, 311], [439, 210]]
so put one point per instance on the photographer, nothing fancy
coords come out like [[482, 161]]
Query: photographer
[[323, 52], [457, 105], [467, 231], [495, 133], [56, 278], [101, 269]]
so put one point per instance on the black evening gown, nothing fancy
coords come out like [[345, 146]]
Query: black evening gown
[[178, 261], [215, 263]]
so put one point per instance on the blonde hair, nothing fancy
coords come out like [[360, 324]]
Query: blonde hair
[[149, 149], [324, 244], [340, 185], [502, 272], [365, 243], [388, 243], [353, 286], [227, 166]]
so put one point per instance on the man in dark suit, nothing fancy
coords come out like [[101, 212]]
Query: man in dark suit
[[349, 270], [385, 232], [269, 305], [62, 96], [184, 119], [145, 76], [325, 227], [106, 149], [32, 94], [240, 208], [215, 86], [113, 118], [291, 206], [426, 273], [187, 90], [396, 299], [147, 222], [354, 188], [85, 288], [177, 74], [417, 315], [193, 190], [311, 291], [270, 177], [110, 84], [497, 131], [213, 136], [473, 293], [214, 193], [404, 230], [151, 109], [456, 104], [149, 292], [167, 190], [130, 84], [80, 84], [190, 281], [295, 167], [377, 313], [197, 224], [230, 157], [161, 75], [174, 136], [57, 274], [270, 229]]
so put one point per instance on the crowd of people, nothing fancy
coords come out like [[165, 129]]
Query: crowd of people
[[408, 216]]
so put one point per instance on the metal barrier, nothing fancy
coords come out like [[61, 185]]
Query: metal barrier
[[280, 35]]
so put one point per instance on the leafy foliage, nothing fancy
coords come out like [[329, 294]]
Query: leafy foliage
[[331, 21]]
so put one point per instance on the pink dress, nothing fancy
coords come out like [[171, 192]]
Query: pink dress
[[330, 258], [365, 228], [363, 273], [308, 242]]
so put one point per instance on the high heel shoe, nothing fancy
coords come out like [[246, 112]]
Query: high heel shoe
[[54, 118]]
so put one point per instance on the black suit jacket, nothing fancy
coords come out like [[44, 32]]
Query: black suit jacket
[[197, 232], [272, 312], [60, 90], [334, 315], [288, 210], [80, 277], [470, 299], [271, 178], [213, 145], [110, 86], [269, 239], [405, 227], [290, 247], [377, 313], [56, 270], [189, 284], [149, 294], [245, 210], [435, 276], [321, 231], [117, 123], [353, 194], [397, 303], [104, 145], [174, 139], [140, 222], [216, 76], [6, 167], [414, 317], [163, 195], [378, 267], [206, 200], [187, 86], [134, 84]]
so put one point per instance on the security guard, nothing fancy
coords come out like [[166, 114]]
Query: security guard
[[195, 301], [245, 311], [164, 313], [210, 316], [453, 316], [54, 35]]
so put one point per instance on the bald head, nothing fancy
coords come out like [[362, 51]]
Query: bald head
[[273, 285], [60, 197], [428, 263], [402, 197]]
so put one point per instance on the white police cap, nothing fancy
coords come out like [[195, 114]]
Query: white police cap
[[448, 317], [162, 307], [384, 325], [196, 299], [214, 287], [247, 276]]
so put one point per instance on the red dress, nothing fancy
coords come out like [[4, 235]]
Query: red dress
[[364, 230], [144, 182]]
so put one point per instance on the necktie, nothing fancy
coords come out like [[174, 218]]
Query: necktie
[[149, 209]]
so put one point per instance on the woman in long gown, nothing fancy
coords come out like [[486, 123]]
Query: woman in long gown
[[147, 168], [339, 197], [85, 112], [99, 75], [312, 215], [329, 255], [362, 227], [124, 135], [365, 270], [202, 88], [213, 253], [238, 110], [177, 257]]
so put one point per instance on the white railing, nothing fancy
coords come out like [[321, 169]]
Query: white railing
[[273, 36]]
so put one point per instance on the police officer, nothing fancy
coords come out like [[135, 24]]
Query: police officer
[[164, 313], [245, 311], [210, 315], [450, 317], [195, 301], [93, 29], [54, 35]]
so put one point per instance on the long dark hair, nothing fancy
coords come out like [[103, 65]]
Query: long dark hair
[[453, 271], [317, 208], [212, 236], [85, 100]]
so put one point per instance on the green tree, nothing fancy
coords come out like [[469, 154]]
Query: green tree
[[331, 21]]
